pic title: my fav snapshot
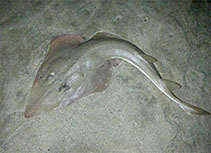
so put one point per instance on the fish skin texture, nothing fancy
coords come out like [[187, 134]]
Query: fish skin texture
[[75, 68]]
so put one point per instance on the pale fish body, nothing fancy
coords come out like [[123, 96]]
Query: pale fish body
[[75, 68]]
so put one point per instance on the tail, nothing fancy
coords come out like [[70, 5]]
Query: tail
[[188, 108], [193, 110]]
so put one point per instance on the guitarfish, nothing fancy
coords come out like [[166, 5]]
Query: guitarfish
[[75, 68]]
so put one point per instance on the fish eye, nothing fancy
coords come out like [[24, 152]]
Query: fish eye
[[51, 75]]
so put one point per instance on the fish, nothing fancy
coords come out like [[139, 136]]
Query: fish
[[75, 68]]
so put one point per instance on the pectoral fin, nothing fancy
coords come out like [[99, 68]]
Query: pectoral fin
[[60, 43], [67, 40], [99, 80]]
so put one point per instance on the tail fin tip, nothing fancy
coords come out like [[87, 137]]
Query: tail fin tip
[[193, 110]]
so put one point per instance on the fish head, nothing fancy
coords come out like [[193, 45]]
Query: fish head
[[41, 92], [53, 87], [49, 84]]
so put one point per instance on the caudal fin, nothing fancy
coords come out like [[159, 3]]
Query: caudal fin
[[193, 110], [188, 108]]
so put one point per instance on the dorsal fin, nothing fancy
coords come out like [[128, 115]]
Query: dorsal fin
[[148, 58], [171, 85], [101, 34]]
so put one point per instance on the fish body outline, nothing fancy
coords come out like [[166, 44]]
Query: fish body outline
[[90, 62]]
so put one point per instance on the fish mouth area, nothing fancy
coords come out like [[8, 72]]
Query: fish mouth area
[[37, 95], [33, 106], [29, 112]]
